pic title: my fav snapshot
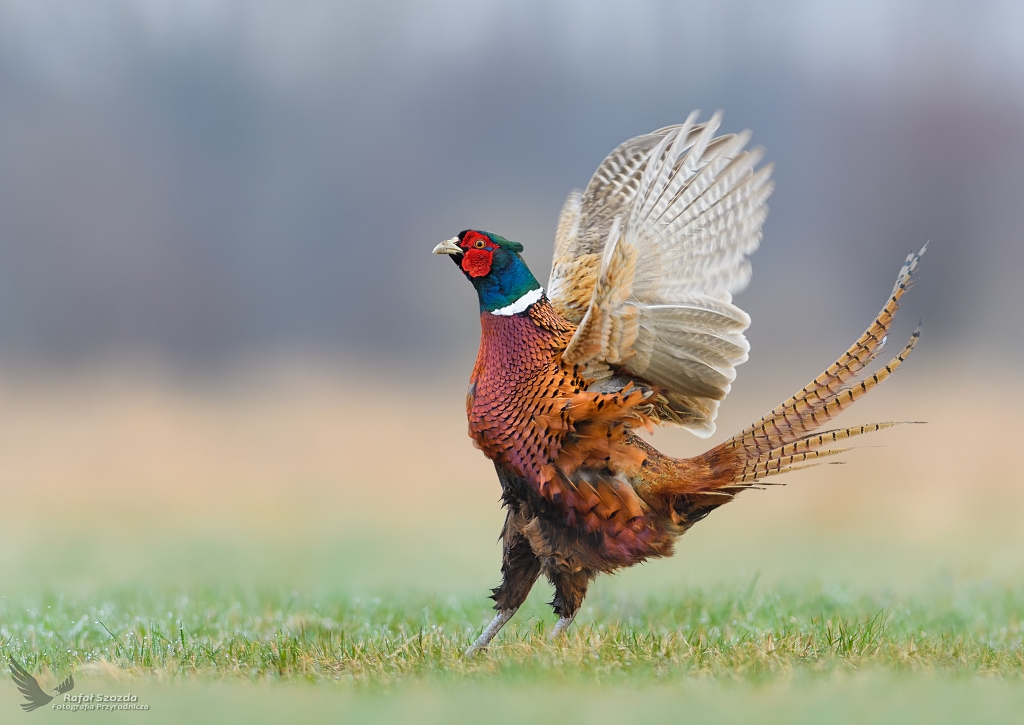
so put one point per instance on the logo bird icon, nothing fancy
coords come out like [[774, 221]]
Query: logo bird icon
[[29, 687]]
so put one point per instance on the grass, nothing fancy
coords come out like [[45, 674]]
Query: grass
[[270, 558], [722, 635]]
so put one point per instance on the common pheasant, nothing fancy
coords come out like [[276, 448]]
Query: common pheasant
[[637, 329]]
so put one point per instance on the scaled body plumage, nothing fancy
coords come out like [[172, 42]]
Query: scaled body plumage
[[639, 330]]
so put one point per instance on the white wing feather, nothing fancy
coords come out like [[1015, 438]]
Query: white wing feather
[[659, 243]]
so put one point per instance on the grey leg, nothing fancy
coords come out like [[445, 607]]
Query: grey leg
[[490, 631], [520, 568], [570, 589], [561, 625]]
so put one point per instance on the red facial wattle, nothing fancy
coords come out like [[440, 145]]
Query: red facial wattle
[[479, 254], [477, 262]]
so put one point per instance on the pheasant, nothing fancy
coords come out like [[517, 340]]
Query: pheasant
[[637, 329]]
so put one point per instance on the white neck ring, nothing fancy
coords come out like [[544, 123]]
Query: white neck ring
[[521, 304]]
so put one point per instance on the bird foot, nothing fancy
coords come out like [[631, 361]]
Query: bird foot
[[490, 631], [560, 626]]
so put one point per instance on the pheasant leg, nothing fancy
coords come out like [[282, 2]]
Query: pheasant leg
[[570, 589], [490, 631], [560, 626], [520, 568]]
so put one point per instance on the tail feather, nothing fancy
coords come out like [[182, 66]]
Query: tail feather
[[797, 424], [836, 388], [789, 438], [828, 437], [808, 447], [761, 469]]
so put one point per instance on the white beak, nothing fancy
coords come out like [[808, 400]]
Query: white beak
[[448, 246]]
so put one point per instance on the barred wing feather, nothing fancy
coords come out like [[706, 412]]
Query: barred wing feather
[[648, 257]]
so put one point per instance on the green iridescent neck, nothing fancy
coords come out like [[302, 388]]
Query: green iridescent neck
[[509, 282]]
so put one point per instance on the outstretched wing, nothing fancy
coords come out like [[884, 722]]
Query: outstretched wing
[[587, 218], [647, 260], [66, 686], [29, 687]]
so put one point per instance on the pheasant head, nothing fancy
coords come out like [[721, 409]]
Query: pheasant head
[[492, 263]]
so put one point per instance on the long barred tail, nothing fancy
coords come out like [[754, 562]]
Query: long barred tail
[[786, 439]]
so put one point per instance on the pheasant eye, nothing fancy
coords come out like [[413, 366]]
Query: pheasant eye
[[479, 244]]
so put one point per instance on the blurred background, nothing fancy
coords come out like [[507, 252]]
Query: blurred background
[[227, 355], [205, 180]]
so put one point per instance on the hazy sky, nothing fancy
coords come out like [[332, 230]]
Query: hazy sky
[[200, 179]]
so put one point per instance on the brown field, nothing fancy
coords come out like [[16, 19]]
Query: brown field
[[292, 475]]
